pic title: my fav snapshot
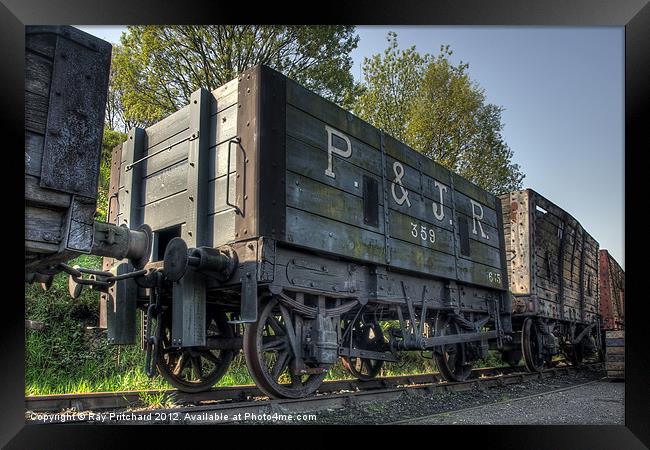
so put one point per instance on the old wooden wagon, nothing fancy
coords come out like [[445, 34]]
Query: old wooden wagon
[[66, 79], [66, 83], [272, 207], [612, 311], [612, 292], [553, 272]]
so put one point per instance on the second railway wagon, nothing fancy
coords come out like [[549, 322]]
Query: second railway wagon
[[274, 208], [553, 276], [66, 84]]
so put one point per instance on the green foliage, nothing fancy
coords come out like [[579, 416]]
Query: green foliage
[[110, 140], [156, 68], [68, 357], [433, 106], [390, 87]]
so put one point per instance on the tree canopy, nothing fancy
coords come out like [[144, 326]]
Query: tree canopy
[[432, 105], [156, 68]]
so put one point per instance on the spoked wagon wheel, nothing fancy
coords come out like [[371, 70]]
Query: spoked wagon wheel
[[532, 347], [451, 359], [270, 357], [195, 369], [365, 336]]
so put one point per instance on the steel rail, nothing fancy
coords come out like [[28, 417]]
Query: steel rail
[[97, 401], [229, 410]]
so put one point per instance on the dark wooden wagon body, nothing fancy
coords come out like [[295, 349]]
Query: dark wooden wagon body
[[612, 292], [66, 82], [312, 199], [552, 260]]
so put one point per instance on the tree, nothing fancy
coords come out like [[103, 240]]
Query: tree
[[110, 140], [115, 114], [389, 87], [158, 67], [433, 106]]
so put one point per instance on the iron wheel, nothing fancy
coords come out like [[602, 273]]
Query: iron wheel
[[270, 358], [451, 359], [195, 369]]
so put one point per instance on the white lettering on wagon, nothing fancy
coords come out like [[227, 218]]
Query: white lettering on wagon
[[477, 218], [440, 214], [398, 168], [335, 150]]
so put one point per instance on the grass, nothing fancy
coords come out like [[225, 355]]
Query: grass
[[66, 357], [156, 400]]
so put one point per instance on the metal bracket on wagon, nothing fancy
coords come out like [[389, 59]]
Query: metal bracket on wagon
[[219, 263]]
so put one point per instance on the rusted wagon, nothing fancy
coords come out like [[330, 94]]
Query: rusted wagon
[[553, 272], [274, 208], [612, 292], [66, 83]]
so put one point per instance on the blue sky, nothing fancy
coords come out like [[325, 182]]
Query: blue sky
[[563, 94]]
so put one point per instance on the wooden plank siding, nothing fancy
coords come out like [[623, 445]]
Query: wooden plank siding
[[326, 213], [550, 257], [165, 174], [612, 292]]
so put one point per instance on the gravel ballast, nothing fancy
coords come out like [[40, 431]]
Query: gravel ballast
[[598, 403], [417, 405]]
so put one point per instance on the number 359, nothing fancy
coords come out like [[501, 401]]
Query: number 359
[[423, 233]]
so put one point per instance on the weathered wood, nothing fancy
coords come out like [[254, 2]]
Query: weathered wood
[[36, 107], [217, 194], [43, 224], [167, 128], [218, 160], [308, 161], [38, 74], [612, 293], [327, 235], [165, 212], [224, 96], [317, 198], [165, 183], [172, 151], [35, 195], [328, 112], [615, 334], [33, 153], [42, 43], [550, 258], [312, 131], [223, 126]]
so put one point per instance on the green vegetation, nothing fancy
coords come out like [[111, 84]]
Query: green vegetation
[[67, 357], [156, 68]]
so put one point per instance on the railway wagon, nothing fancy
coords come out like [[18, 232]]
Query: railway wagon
[[277, 212], [553, 273], [66, 80], [66, 83], [612, 292]]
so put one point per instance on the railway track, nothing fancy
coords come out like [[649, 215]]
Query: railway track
[[229, 401]]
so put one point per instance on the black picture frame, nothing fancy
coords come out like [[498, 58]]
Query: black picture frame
[[634, 15]]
